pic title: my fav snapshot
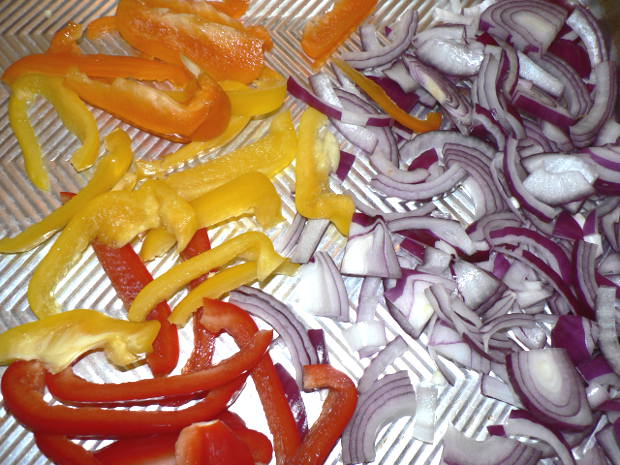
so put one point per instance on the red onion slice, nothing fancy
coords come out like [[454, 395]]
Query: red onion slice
[[583, 22], [606, 318]]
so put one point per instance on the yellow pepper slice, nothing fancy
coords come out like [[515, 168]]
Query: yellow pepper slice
[[108, 172], [60, 339], [192, 150], [250, 193], [267, 96], [375, 92], [113, 218], [252, 246], [74, 113], [313, 198], [269, 155]]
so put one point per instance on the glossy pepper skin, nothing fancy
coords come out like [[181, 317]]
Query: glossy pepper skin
[[23, 387], [62, 451], [211, 443], [239, 324], [108, 172], [267, 94], [72, 111]]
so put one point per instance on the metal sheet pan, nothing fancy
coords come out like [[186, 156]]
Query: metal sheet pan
[[26, 26]]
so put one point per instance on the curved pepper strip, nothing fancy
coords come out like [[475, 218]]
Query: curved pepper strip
[[211, 443], [239, 324], [65, 39], [61, 451], [68, 387], [204, 116], [23, 388], [337, 411], [375, 92], [250, 193], [269, 155], [267, 95], [108, 172], [58, 340], [113, 218], [72, 111], [146, 450], [250, 246], [259, 444], [313, 198]]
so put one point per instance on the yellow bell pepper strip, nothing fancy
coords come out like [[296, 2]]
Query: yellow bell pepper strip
[[251, 246], [73, 112], [65, 40], [375, 92], [267, 95], [108, 172], [113, 218], [58, 340], [192, 150], [313, 198], [204, 116], [269, 155], [156, 243]]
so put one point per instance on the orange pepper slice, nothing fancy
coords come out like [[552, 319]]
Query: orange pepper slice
[[375, 92], [100, 27], [65, 40], [323, 35], [172, 36], [233, 8]]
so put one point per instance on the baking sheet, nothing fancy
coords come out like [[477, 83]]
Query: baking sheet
[[26, 26]]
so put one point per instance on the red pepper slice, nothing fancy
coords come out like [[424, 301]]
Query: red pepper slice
[[239, 324], [23, 388], [257, 442], [60, 450], [211, 443], [337, 411], [139, 451]]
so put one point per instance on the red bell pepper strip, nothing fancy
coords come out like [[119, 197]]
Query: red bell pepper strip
[[60, 450], [211, 443], [145, 450], [239, 324], [337, 411], [69, 387], [257, 442], [23, 388]]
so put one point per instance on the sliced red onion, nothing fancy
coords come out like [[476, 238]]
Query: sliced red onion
[[369, 250], [573, 54], [593, 456], [400, 38], [529, 70], [293, 396], [536, 103], [307, 239], [608, 441], [504, 322], [455, 32], [583, 22], [405, 100], [584, 259], [365, 335], [458, 449], [576, 335], [388, 399], [344, 166], [423, 210], [385, 357], [606, 319], [597, 395], [609, 133], [371, 293], [399, 73], [550, 387], [531, 25], [445, 341], [465, 58], [479, 289], [495, 388], [534, 131], [386, 168], [424, 421], [558, 136], [584, 132], [321, 289], [532, 338], [279, 316], [483, 120], [317, 337]]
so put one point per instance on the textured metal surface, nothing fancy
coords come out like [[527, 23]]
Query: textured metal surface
[[26, 26]]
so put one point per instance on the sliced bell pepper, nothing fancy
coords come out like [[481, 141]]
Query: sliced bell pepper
[[97, 66], [250, 193], [205, 116], [324, 34], [69, 387], [239, 324], [376, 92], [269, 155], [99, 27], [170, 35], [336, 413], [113, 218], [61, 451], [58, 340], [65, 39], [72, 111], [258, 443], [233, 8], [108, 172], [190, 151], [251, 245], [267, 95], [147, 450], [211, 443], [313, 198], [23, 388]]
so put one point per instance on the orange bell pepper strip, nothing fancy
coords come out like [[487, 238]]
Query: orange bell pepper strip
[[69, 387], [323, 35], [313, 198], [337, 411], [233, 8], [23, 389], [170, 35], [239, 324], [211, 443], [205, 116], [269, 155], [65, 40], [99, 27], [375, 92], [108, 172]]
